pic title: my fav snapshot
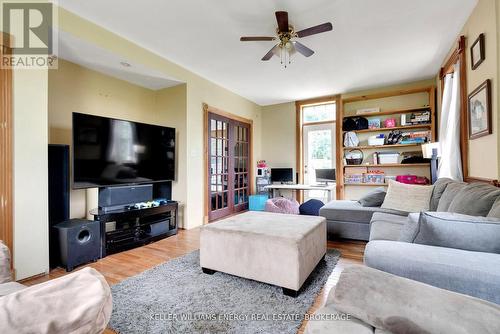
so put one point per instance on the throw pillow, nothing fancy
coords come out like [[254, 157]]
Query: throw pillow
[[449, 194], [311, 207], [374, 198], [476, 199], [454, 230], [407, 197], [495, 209], [411, 228], [437, 192], [5, 275]]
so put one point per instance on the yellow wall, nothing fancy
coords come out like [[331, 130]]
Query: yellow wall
[[198, 91], [94, 93], [279, 135], [31, 244], [484, 152]]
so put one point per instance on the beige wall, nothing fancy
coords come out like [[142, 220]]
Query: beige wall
[[279, 135], [484, 152], [198, 91], [31, 246], [73, 88]]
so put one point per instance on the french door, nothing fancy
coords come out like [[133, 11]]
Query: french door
[[228, 166]]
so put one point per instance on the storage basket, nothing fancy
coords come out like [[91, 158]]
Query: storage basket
[[353, 159], [388, 158]]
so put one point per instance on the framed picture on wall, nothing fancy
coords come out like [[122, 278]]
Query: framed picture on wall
[[480, 111], [477, 54]]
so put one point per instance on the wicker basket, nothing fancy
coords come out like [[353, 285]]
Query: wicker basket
[[354, 161]]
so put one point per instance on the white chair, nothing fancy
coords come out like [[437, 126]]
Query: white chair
[[76, 303]]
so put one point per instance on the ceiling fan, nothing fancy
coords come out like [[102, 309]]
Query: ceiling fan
[[286, 35]]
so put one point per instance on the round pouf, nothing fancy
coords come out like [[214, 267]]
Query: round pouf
[[311, 207], [282, 205]]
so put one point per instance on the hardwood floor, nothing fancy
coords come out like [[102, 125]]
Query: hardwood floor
[[118, 267]]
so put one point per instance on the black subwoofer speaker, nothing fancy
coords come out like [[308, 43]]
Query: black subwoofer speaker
[[79, 241]]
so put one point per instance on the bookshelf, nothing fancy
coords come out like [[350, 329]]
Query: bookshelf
[[392, 104]]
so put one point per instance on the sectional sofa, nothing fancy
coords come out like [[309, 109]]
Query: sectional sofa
[[455, 246]]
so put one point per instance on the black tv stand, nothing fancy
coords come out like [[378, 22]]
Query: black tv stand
[[125, 229]]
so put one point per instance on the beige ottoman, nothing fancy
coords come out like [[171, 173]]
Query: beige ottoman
[[273, 248]]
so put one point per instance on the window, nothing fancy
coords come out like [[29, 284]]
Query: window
[[319, 113]]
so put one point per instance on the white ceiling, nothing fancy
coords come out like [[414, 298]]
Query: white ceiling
[[91, 56], [373, 43]]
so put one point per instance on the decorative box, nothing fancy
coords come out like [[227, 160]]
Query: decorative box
[[390, 123]]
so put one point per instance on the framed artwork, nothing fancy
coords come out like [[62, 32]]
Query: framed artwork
[[477, 54], [480, 111]]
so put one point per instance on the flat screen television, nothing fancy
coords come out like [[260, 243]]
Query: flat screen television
[[110, 152]]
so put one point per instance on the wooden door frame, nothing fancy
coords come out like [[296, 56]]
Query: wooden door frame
[[299, 130], [209, 109], [6, 148], [459, 54]]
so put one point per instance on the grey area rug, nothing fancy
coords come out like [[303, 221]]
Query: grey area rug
[[176, 297]]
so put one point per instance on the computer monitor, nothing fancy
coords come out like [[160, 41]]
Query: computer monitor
[[282, 175], [325, 175]]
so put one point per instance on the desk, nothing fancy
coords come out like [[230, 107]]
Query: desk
[[296, 187]]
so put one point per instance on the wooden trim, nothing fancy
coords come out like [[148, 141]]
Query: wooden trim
[[6, 150], [471, 179], [299, 130], [385, 94], [457, 55], [339, 154], [209, 109]]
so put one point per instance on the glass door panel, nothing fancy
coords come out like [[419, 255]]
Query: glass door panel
[[229, 169], [319, 153]]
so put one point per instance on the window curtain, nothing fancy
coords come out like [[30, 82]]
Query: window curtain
[[450, 164]]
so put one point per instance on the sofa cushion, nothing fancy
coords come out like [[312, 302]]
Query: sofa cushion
[[385, 226], [352, 211], [10, 287], [400, 305], [438, 190], [473, 273], [373, 198], [5, 274], [328, 320], [410, 228], [495, 209], [476, 199], [407, 197], [449, 194], [453, 230], [80, 302]]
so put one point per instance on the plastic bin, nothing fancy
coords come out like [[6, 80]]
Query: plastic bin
[[257, 202]]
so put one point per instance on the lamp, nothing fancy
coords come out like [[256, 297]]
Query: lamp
[[432, 151]]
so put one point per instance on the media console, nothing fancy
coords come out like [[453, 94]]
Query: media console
[[124, 228]]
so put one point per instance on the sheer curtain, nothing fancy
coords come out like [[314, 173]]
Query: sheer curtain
[[450, 164]]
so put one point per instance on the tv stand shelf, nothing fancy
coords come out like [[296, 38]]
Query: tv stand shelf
[[125, 229]]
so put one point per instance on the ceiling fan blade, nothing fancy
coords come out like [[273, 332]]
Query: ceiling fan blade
[[257, 38], [282, 18], [315, 30], [271, 52], [302, 49]]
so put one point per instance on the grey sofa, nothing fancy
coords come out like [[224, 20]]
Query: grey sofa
[[459, 261], [351, 220], [369, 301]]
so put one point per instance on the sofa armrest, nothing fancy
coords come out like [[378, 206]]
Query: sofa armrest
[[77, 303], [392, 303], [5, 273]]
